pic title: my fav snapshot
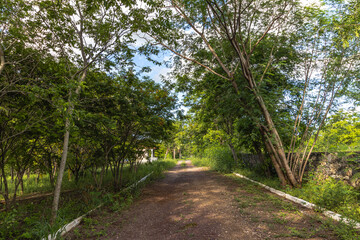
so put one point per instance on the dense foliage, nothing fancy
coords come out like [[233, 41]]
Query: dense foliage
[[71, 100], [263, 76], [257, 76]]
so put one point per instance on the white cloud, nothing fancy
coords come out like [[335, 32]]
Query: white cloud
[[159, 72]]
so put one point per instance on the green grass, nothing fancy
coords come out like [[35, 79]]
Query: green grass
[[29, 219], [255, 196], [42, 185], [326, 193], [200, 162], [271, 182]]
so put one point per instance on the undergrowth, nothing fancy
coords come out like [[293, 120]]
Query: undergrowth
[[218, 158], [29, 219], [327, 193]]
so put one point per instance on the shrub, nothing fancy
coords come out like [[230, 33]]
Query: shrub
[[200, 162], [220, 158], [330, 194]]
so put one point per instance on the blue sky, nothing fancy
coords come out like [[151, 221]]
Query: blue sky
[[156, 71]]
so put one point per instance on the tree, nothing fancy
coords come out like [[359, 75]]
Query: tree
[[246, 27], [25, 107], [341, 132], [90, 34]]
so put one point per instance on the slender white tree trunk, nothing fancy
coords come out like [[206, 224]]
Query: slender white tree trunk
[[57, 190], [166, 153], [2, 59]]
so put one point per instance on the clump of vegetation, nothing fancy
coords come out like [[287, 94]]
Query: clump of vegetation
[[218, 158], [327, 193], [29, 219], [330, 194], [200, 162]]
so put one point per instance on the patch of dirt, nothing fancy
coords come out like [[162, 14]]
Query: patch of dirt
[[194, 203]]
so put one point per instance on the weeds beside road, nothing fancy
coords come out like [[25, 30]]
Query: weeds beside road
[[28, 219], [327, 193], [195, 203]]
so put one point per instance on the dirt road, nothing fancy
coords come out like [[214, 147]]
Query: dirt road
[[194, 203]]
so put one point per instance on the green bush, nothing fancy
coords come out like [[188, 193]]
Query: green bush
[[218, 158], [200, 162], [330, 194]]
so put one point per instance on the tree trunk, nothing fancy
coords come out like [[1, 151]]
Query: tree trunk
[[277, 167], [166, 153], [121, 173], [277, 149], [6, 188], [18, 181], [12, 174], [179, 153], [233, 151], [103, 170], [22, 185], [50, 171], [57, 190], [174, 153], [51, 179], [2, 59]]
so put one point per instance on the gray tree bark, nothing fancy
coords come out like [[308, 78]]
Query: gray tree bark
[[57, 191]]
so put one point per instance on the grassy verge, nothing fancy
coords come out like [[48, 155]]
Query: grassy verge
[[252, 198], [326, 193], [28, 219]]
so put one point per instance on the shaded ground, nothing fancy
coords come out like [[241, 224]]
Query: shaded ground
[[194, 203]]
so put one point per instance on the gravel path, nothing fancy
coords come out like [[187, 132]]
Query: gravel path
[[194, 203]]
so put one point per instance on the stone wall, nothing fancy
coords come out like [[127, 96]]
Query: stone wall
[[251, 160], [340, 166]]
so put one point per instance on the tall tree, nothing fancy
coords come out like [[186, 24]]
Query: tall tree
[[253, 27], [90, 34]]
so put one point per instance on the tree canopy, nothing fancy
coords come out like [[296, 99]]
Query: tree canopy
[[258, 76]]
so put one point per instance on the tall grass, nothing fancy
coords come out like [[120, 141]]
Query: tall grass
[[29, 219], [327, 193], [41, 184], [218, 158]]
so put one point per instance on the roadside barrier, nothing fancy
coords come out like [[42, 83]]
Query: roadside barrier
[[330, 214], [67, 227]]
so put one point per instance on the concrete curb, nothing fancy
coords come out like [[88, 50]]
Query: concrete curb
[[67, 227], [330, 214], [141, 180]]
